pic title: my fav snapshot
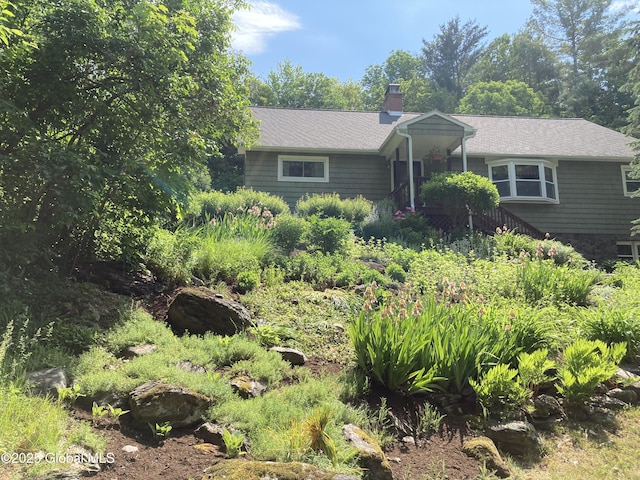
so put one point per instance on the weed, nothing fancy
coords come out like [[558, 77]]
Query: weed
[[160, 430], [232, 443], [98, 412], [315, 427], [70, 394], [428, 420]]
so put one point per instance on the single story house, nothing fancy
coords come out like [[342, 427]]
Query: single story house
[[564, 176]]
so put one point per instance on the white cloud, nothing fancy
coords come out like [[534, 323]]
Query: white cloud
[[255, 25]]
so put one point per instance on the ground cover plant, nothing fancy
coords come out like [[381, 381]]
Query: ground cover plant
[[487, 319]]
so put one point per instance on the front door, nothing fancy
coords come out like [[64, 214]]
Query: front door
[[400, 173]]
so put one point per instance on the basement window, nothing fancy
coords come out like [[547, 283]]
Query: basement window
[[628, 251], [303, 169], [525, 180], [629, 184]]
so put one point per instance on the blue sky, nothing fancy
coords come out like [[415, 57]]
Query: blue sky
[[341, 38]]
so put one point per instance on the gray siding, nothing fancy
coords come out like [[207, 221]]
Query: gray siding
[[349, 176], [435, 126], [591, 201], [591, 198]]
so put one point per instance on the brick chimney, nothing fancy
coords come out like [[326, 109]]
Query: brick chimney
[[393, 100]]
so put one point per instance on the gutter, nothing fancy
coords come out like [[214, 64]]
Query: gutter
[[412, 202]]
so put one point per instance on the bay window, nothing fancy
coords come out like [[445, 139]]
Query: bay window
[[526, 180]]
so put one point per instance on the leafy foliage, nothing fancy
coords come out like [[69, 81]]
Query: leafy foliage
[[205, 206], [458, 192], [426, 346], [354, 210], [142, 94], [329, 235], [585, 364], [288, 231], [543, 280], [502, 98], [613, 325], [499, 390]]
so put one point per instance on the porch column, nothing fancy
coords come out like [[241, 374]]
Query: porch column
[[412, 201]]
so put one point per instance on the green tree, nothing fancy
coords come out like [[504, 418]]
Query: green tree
[[586, 36], [289, 86], [633, 126], [399, 66], [6, 16], [452, 53], [502, 98], [522, 57], [107, 118]]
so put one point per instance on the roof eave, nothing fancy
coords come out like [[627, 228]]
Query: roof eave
[[334, 151]]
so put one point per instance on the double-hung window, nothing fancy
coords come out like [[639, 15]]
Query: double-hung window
[[629, 183], [303, 168], [526, 180], [628, 251]]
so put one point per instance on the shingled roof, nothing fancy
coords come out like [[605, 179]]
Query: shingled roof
[[284, 129]]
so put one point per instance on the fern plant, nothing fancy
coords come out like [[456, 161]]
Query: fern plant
[[533, 368], [499, 390], [585, 364]]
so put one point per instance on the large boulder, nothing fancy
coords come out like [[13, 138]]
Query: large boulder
[[371, 458], [254, 470], [155, 402], [199, 310], [48, 381], [518, 438]]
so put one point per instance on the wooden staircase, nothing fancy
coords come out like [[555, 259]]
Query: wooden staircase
[[488, 223]]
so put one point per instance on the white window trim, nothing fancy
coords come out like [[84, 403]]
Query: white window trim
[[624, 169], [511, 164], [635, 246], [303, 158]]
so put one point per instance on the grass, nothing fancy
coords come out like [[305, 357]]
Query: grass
[[52, 430], [580, 448]]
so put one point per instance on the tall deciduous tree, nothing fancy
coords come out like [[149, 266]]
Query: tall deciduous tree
[[502, 98], [399, 66], [289, 86], [103, 121], [453, 52], [521, 57]]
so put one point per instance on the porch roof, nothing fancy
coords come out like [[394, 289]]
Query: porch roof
[[283, 129]]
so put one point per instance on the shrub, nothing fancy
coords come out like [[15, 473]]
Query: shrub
[[516, 245], [214, 204], [248, 281], [459, 191], [288, 231], [396, 273], [328, 234], [613, 326], [353, 210], [543, 279]]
